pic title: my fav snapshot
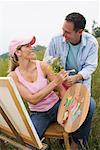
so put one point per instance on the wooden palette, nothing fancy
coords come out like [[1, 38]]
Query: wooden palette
[[74, 107]]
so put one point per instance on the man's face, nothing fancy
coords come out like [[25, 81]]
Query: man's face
[[70, 34]]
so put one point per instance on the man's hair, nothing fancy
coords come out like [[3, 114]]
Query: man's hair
[[77, 19]]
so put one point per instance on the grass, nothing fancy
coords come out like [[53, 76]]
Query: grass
[[94, 139], [3, 67]]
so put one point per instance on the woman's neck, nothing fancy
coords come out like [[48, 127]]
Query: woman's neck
[[26, 65]]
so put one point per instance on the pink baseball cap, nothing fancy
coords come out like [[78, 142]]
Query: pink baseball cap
[[18, 42]]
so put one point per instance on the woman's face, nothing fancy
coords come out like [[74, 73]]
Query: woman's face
[[27, 52]]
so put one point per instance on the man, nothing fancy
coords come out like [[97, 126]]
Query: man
[[78, 50]]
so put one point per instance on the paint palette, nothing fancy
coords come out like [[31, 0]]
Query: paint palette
[[74, 107]]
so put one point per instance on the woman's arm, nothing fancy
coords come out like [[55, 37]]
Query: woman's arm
[[38, 96], [50, 75]]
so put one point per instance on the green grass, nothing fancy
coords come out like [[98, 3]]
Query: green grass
[[3, 67], [40, 55], [94, 139]]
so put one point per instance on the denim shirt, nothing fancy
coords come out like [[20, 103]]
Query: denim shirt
[[87, 56]]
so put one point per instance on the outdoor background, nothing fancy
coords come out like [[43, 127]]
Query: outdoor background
[[44, 20]]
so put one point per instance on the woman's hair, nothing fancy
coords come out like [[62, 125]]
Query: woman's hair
[[13, 63]]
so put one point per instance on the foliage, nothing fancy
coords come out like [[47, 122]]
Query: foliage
[[56, 65], [39, 55], [98, 39], [4, 56], [95, 29], [3, 67], [86, 30], [95, 132], [39, 48], [54, 62]]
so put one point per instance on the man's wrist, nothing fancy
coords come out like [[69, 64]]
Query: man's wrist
[[79, 77]]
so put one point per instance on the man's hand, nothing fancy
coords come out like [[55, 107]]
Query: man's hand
[[73, 79]]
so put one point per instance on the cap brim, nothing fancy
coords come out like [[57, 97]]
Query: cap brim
[[29, 41], [33, 40]]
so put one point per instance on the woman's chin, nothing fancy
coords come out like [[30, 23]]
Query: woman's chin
[[32, 57]]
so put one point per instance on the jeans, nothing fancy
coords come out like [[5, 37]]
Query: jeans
[[83, 132], [42, 120]]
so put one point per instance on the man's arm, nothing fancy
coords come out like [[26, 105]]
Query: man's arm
[[90, 63]]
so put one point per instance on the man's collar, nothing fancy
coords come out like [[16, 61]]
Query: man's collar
[[84, 39]]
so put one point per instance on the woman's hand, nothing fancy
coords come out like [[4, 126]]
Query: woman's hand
[[60, 77]]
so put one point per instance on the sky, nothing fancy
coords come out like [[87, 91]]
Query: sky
[[44, 19]]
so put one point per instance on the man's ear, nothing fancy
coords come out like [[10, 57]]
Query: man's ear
[[80, 31]]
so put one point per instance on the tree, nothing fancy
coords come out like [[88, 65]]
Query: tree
[[95, 29], [97, 32], [94, 24], [86, 30]]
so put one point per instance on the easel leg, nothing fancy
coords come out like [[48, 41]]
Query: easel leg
[[66, 141]]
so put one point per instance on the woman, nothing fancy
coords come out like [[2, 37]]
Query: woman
[[32, 80]]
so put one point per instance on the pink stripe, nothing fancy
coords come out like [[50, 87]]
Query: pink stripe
[[72, 107]]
